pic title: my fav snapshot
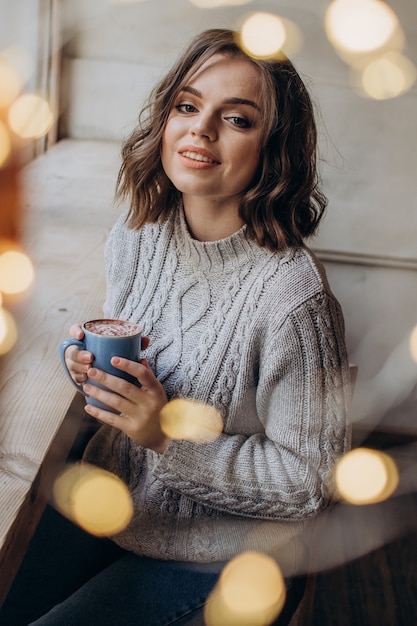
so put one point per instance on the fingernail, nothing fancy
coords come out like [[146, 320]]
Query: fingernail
[[92, 372]]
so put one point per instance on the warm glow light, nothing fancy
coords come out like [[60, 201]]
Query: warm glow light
[[262, 35], [388, 76], [30, 116], [5, 144], [360, 25], [413, 344], [93, 498], [10, 84], [190, 420], [250, 592], [64, 485], [101, 503], [365, 476], [8, 331], [16, 272]]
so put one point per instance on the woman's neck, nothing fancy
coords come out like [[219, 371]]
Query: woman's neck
[[211, 221]]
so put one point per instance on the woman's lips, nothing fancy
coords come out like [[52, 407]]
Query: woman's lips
[[197, 158]]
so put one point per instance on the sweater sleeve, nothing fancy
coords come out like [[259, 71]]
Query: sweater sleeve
[[120, 255], [302, 398]]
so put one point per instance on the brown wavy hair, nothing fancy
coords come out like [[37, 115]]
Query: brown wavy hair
[[283, 204]]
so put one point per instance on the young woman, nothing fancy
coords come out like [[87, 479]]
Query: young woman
[[211, 261]]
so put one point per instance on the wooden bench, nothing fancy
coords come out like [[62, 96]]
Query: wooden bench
[[68, 195]]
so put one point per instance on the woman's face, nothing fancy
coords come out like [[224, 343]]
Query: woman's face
[[211, 142]]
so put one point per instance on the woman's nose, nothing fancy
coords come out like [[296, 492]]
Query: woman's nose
[[204, 126]]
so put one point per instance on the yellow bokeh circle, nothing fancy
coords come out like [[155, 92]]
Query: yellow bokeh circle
[[16, 272], [95, 499], [360, 25], [387, 76], [30, 116], [191, 420], [262, 35], [251, 591], [8, 331], [366, 476]]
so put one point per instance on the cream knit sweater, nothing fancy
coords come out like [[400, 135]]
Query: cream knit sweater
[[260, 336]]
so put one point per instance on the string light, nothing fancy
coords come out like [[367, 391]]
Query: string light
[[190, 420], [95, 499], [16, 272], [30, 116], [250, 592], [388, 76], [366, 476], [269, 36], [359, 25], [262, 35]]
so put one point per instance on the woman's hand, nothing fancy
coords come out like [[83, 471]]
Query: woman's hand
[[139, 407], [78, 361]]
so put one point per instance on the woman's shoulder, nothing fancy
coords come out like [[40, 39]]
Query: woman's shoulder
[[124, 238], [296, 275]]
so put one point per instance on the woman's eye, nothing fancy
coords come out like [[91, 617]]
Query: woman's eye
[[184, 107], [241, 122]]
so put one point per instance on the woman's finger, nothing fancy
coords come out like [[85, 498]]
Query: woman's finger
[[110, 398], [145, 341], [141, 371], [76, 331]]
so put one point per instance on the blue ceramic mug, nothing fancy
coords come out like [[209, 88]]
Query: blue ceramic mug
[[106, 338]]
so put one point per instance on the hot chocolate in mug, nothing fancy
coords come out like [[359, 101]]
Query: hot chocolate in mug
[[105, 338]]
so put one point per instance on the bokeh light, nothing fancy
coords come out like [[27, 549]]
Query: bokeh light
[[366, 476], [359, 25], [5, 144], [30, 116], [250, 592], [10, 84], [262, 35], [190, 420], [413, 344], [388, 76], [93, 498], [8, 331], [16, 272]]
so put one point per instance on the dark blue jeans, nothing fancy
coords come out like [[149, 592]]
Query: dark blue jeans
[[70, 578]]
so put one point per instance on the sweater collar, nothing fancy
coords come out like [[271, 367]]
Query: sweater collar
[[223, 255]]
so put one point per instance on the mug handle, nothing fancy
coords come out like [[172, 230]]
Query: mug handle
[[63, 346]]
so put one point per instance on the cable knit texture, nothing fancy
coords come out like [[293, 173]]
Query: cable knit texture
[[258, 335]]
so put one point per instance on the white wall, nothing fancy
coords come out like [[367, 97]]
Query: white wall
[[114, 53], [19, 23]]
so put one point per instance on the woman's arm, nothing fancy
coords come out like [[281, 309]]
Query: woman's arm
[[302, 401]]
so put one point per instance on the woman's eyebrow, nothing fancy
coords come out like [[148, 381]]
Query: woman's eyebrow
[[234, 100]]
